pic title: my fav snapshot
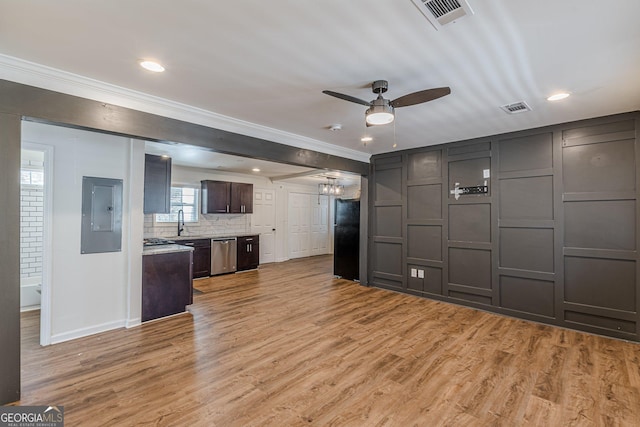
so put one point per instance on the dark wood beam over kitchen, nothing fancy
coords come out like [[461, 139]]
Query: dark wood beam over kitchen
[[47, 106]]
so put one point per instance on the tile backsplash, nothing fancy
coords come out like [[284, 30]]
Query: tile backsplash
[[207, 225]]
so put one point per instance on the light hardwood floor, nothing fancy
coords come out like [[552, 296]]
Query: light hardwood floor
[[289, 345]]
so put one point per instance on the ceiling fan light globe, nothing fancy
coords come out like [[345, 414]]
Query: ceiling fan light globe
[[381, 118], [379, 114]]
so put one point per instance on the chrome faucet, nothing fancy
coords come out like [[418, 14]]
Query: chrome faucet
[[180, 226]]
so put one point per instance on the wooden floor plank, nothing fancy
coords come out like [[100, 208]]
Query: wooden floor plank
[[290, 345]]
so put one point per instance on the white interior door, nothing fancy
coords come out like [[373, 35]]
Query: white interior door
[[308, 225], [263, 222], [320, 226], [299, 225]]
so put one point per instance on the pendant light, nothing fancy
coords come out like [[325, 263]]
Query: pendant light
[[330, 188]]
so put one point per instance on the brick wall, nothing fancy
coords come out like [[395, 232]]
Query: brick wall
[[31, 226]]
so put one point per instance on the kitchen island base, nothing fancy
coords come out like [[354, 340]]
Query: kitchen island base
[[167, 284]]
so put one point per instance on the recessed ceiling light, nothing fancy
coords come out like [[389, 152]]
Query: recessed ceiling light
[[366, 139], [394, 145], [152, 66], [336, 126], [558, 96], [256, 169]]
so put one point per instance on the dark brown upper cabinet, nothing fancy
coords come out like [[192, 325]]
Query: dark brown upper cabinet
[[226, 197], [157, 184], [241, 198], [216, 197]]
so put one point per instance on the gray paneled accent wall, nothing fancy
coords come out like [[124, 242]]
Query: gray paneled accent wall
[[424, 222], [387, 224], [554, 239], [600, 258], [469, 241]]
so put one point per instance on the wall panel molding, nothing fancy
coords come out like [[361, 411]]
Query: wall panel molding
[[555, 239]]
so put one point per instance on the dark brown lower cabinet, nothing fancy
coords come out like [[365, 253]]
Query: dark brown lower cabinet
[[248, 252], [167, 286], [201, 257]]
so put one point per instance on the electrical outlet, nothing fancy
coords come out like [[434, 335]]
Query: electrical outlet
[[420, 274], [414, 272]]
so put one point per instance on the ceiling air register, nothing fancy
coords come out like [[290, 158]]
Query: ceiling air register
[[443, 12]]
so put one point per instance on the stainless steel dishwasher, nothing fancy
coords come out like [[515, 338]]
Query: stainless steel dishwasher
[[223, 255]]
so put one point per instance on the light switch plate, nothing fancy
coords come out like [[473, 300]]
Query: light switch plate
[[414, 272], [420, 274]]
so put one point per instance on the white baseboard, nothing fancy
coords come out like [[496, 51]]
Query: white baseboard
[[132, 323], [84, 332], [29, 308]]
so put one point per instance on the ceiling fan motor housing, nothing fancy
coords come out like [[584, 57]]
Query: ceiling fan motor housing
[[379, 86]]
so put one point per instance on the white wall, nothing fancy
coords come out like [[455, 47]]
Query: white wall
[[134, 238], [90, 293]]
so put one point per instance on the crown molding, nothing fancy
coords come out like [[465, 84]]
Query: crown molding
[[32, 74]]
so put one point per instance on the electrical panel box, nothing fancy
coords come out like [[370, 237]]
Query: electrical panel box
[[101, 215]]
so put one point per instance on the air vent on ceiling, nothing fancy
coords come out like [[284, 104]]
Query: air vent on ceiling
[[516, 107], [442, 12]]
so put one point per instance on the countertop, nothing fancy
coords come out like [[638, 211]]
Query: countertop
[[183, 238], [163, 249]]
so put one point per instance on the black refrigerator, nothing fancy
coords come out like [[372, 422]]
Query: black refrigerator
[[346, 239]]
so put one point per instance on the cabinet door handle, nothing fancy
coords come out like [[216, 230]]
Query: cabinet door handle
[[227, 208]]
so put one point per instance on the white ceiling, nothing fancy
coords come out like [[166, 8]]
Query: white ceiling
[[267, 62], [196, 157]]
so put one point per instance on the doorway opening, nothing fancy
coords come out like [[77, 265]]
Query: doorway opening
[[35, 215]]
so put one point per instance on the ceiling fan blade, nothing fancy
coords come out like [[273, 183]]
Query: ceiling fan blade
[[347, 97], [420, 97]]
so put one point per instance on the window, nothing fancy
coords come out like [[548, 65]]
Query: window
[[32, 177], [185, 198]]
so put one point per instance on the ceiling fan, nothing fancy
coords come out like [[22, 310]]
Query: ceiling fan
[[381, 111]]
